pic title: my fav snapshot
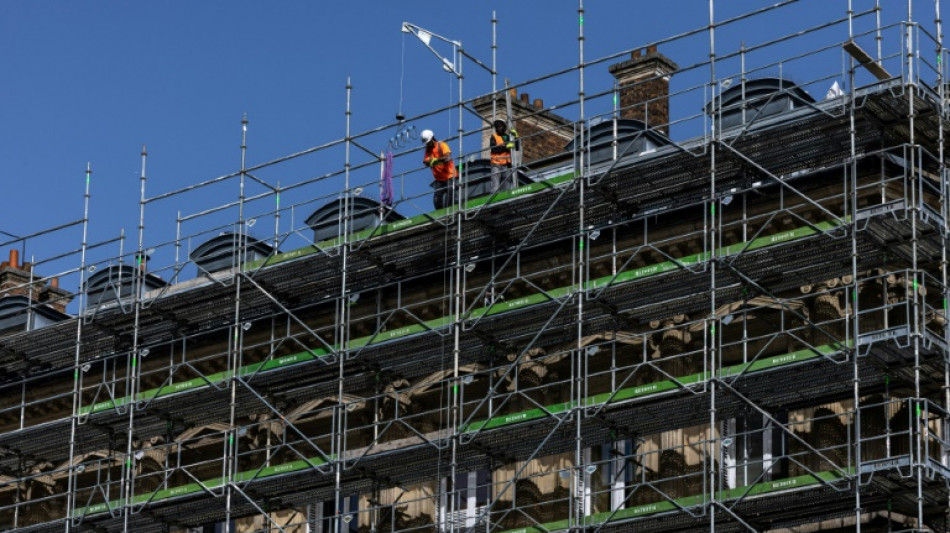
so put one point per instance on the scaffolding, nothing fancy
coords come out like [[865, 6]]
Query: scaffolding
[[719, 302]]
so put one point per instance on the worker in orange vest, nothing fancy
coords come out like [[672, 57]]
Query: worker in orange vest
[[500, 146], [439, 158]]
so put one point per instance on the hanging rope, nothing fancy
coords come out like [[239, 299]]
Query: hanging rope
[[402, 75], [404, 134]]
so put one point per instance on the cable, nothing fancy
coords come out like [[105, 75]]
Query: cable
[[402, 75]]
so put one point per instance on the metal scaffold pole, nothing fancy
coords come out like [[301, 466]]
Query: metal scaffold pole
[[77, 361], [494, 67], [711, 355], [945, 228], [712, 305], [343, 314], [580, 475], [910, 85], [135, 370], [457, 304], [236, 340], [878, 37], [853, 325]]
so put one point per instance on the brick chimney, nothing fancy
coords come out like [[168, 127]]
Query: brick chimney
[[53, 296], [545, 133], [14, 277], [15, 280], [644, 82]]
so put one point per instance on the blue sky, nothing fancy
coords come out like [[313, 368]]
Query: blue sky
[[94, 81]]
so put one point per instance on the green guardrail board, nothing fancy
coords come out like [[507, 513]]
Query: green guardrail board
[[779, 485], [211, 484], [649, 389], [686, 502], [497, 308], [406, 223]]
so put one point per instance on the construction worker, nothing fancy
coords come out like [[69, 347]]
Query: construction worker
[[439, 158], [500, 145]]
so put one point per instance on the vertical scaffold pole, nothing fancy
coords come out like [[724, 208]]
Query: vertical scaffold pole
[[494, 69], [742, 79], [342, 326], [580, 51], [141, 266], [461, 133], [910, 87], [30, 296], [579, 488], [911, 152], [878, 38], [237, 332], [941, 91], [614, 117], [851, 179], [456, 308], [77, 363], [177, 246], [713, 238], [277, 216]]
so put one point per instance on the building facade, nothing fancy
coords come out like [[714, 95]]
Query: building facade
[[730, 320]]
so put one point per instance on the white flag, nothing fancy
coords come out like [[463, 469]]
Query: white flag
[[834, 91]]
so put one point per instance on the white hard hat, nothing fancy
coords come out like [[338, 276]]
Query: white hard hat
[[426, 135]]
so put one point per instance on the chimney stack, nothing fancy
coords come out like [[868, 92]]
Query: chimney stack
[[644, 82], [15, 281], [53, 296], [543, 132]]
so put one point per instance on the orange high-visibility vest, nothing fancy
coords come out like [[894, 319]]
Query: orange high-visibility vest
[[441, 171], [500, 158]]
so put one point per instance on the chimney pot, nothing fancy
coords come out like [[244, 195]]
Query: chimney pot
[[651, 49], [524, 98], [635, 54], [513, 92], [54, 282], [538, 103], [15, 258]]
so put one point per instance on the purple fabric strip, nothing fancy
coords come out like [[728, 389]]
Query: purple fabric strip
[[386, 180]]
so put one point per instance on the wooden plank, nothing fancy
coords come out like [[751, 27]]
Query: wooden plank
[[866, 61]]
